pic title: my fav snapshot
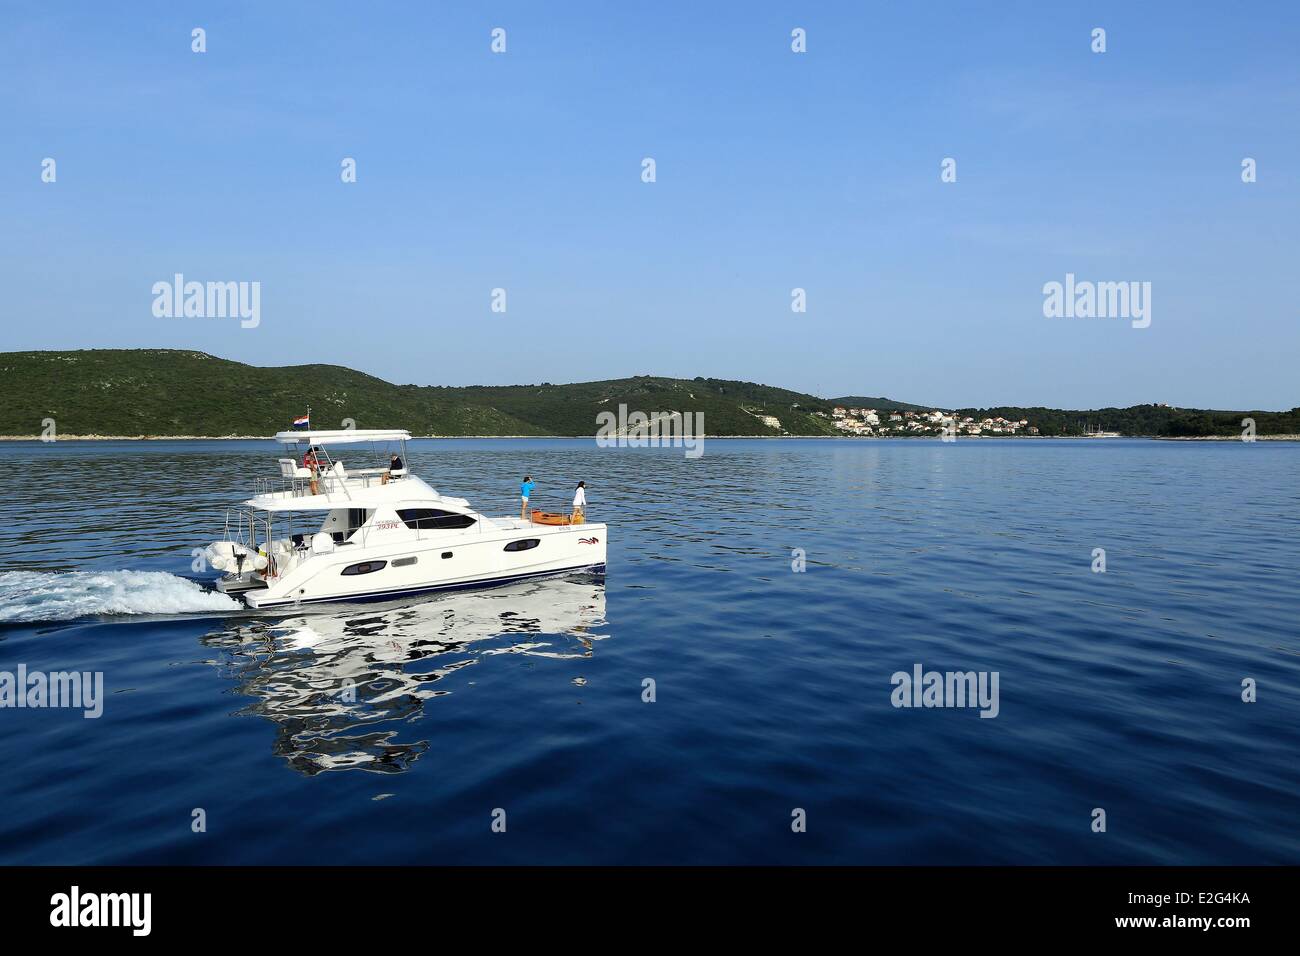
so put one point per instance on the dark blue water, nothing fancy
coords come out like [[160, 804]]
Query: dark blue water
[[1118, 690]]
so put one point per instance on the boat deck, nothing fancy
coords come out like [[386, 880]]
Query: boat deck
[[509, 523]]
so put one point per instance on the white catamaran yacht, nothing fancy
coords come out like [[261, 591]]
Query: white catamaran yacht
[[376, 533]]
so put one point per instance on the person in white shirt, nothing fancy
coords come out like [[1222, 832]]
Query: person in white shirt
[[579, 502]]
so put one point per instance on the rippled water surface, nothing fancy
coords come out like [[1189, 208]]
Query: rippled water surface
[[390, 733]]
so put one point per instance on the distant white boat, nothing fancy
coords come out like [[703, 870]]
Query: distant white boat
[[376, 534], [1098, 433]]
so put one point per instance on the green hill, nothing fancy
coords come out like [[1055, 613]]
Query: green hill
[[879, 404], [168, 392], [172, 392], [1153, 420]]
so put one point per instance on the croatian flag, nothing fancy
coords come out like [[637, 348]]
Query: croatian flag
[[303, 422]]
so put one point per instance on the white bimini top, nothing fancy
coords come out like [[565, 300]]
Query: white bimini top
[[343, 436]]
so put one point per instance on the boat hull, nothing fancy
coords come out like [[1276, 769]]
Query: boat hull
[[456, 561], [261, 604]]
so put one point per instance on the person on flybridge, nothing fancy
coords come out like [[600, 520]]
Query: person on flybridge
[[311, 462], [394, 464], [579, 502]]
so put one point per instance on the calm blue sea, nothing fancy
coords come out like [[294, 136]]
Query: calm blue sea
[[1119, 691]]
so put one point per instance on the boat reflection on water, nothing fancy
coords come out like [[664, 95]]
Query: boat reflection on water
[[341, 683]]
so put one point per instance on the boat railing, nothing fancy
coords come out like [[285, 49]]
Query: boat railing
[[256, 530], [242, 527], [276, 487], [327, 482]]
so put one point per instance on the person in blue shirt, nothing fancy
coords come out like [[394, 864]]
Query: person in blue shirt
[[525, 489]]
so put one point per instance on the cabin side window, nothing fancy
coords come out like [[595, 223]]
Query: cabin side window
[[523, 545], [365, 567], [357, 517], [343, 525], [429, 519]]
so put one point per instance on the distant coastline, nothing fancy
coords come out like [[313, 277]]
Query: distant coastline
[[180, 395], [1224, 438]]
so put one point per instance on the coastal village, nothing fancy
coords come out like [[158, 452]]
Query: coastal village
[[872, 422]]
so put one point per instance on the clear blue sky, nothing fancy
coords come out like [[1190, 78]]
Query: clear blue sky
[[775, 170]]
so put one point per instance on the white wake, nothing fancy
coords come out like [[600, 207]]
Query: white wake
[[64, 595]]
